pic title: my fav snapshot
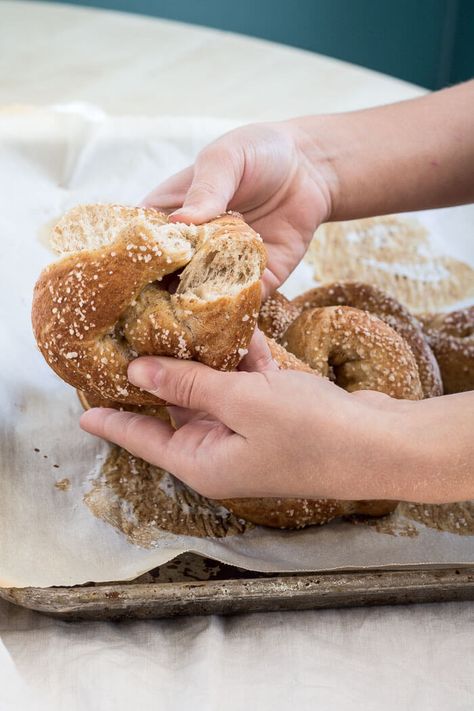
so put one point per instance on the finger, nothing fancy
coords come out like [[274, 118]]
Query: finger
[[270, 282], [199, 454], [142, 436], [190, 384], [217, 174], [194, 454], [259, 358], [171, 192]]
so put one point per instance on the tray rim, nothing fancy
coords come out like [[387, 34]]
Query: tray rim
[[113, 601]]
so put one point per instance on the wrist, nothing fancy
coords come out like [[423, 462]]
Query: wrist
[[435, 436], [421, 456], [339, 147], [312, 141], [406, 455], [385, 452]]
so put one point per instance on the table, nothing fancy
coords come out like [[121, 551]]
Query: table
[[129, 64], [391, 658]]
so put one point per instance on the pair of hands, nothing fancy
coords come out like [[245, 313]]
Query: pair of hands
[[260, 431]]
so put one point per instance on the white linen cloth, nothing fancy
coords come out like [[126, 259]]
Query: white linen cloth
[[418, 657]]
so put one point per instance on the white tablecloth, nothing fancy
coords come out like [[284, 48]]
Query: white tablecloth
[[393, 658], [420, 657]]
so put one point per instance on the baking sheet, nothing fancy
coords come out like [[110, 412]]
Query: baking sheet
[[52, 159]]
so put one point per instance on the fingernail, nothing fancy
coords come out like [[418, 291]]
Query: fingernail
[[185, 213], [89, 419], [144, 373]]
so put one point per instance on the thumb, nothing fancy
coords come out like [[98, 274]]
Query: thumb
[[217, 175], [259, 358], [185, 383]]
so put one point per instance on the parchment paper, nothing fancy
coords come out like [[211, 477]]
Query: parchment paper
[[50, 160]]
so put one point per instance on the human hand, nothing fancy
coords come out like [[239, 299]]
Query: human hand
[[265, 432], [268, 172]]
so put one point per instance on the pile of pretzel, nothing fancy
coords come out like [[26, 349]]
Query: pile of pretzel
[[128, 283]]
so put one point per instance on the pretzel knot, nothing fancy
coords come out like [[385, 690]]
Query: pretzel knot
[[317, 336], [107, 299]]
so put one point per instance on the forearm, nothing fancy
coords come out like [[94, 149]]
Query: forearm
[[430, 450], [413, 155]]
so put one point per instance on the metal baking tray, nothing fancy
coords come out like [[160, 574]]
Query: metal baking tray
[[175, 590]]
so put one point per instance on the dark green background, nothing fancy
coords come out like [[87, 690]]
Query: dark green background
[[428, 42]]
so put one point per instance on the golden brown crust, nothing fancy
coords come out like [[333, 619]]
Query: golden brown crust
[[375, 301], [99, 307], [96, 309], [356, 350], [451, 337]]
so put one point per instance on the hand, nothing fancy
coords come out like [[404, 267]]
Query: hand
[[268, 172], [264, 432]]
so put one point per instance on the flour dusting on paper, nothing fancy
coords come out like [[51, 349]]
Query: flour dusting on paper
[[398, 255], [143, 501], [456, 518]]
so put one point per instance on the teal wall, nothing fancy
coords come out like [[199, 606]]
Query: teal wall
[[463, 55], [428, 42]]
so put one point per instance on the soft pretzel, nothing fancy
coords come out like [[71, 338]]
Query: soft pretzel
[[367, 298], [105, 301], [359, 351], [451, 337]]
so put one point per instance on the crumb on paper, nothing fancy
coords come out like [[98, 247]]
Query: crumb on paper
[[456, 518]]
